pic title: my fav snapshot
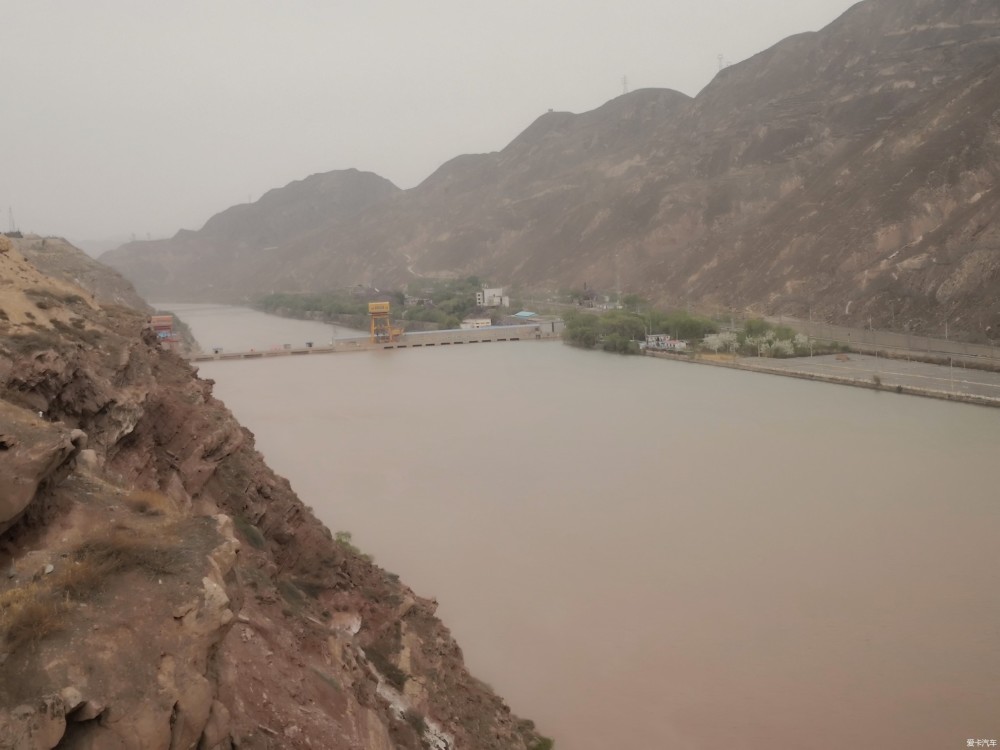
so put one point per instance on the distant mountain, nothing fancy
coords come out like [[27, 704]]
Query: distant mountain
[[94, 248], [59, 259], [849, 173], [224, 259]]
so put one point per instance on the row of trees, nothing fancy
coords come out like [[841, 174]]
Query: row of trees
[[327, 304], [442, 303], [758, 338], [615, 331], [621, 331]]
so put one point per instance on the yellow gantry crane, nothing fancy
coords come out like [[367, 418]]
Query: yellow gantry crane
[[383, 331]]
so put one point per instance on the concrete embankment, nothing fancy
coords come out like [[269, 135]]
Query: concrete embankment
[[961, 390]]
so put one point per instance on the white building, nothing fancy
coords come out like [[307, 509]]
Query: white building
[[492, 297], [473, 323], [661, 342]]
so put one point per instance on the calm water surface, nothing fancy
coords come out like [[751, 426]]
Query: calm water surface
[[242, 329], [647, 554]]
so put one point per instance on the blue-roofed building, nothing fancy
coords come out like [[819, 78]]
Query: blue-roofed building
[[546, 323]]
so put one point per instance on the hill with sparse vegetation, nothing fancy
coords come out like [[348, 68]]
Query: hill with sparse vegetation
[[849, 173]]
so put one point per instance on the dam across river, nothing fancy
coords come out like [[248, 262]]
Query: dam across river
[[492, 334]]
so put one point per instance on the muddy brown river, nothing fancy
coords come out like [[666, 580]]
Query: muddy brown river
[[646, 554]]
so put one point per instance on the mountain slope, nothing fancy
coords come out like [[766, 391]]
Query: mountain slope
[[59, 259], [221, 259], [786, 185]]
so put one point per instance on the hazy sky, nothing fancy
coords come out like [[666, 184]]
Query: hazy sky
[[144, 116]]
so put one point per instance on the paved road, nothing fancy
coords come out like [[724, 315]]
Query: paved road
[[955, 379]]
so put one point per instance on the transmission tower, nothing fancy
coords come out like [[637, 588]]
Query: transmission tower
[[624, 84]]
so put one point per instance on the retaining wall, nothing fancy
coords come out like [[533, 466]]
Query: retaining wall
[[965, 398]]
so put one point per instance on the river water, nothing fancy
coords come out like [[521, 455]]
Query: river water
[[647, 554]]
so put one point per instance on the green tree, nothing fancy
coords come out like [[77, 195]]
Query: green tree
[[681, 325], [634, 302], [582, 329]]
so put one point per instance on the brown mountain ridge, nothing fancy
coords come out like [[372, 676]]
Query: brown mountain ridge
[[848, 173]]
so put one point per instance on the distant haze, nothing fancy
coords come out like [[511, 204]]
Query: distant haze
[[142, 118]]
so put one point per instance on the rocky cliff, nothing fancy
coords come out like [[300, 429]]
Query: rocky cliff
[[850, 173], [162, 588]]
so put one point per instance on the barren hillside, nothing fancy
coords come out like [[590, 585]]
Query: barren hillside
[[228, 259], [850, 173]]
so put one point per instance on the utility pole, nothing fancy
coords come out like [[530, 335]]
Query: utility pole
[[618, 280]]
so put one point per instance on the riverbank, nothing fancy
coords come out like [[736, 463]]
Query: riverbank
[[980, 387]]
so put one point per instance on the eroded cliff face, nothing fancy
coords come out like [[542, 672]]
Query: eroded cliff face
[[162, 588]]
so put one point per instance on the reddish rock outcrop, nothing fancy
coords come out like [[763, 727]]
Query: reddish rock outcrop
[[32, 453]]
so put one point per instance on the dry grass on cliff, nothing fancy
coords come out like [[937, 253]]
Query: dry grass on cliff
[[39, 608], [157, 552], [150, 503], [30, 613], [114, 552]]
